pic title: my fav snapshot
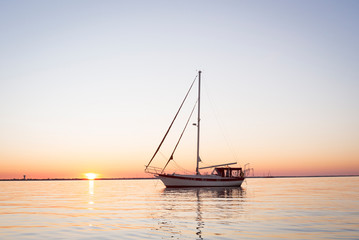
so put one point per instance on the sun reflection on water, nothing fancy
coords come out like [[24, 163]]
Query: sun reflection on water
[[91, 193], [91, 187]]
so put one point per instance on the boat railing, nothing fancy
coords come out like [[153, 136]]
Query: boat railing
[[153, 170], [248, 170]]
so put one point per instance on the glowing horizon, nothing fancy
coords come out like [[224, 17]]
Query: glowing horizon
[[91, 176]]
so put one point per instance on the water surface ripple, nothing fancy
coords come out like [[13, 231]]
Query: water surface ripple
[[268, 208]]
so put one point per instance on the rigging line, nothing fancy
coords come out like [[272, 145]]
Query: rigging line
[[183, 169], [164, 156], [171, 123], [171, 157], [230, 147]]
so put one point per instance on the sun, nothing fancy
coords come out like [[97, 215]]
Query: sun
[[91, 176]]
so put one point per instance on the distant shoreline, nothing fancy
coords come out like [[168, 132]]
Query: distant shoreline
[[69, 179], [78, 179], [313, 176]]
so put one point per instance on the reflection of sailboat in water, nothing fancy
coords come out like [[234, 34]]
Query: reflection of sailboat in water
[[221, 176], [200, 223], [206, 203]]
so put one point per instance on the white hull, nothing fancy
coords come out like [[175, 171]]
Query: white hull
[[177, 180]]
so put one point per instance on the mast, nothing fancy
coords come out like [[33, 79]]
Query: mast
[[198, 119]]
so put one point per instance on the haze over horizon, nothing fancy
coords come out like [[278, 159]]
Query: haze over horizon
[[89, 86]]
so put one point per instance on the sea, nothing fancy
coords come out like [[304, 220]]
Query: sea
[[263, 208]]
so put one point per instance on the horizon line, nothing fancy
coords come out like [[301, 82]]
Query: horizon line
[[146, 178]]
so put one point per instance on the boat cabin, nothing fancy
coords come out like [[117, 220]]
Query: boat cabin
[[228, 172]]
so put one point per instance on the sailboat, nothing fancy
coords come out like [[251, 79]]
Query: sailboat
[[222, 174]]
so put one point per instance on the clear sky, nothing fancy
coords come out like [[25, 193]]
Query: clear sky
[[91, 86]]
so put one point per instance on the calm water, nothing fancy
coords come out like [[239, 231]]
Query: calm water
[[272, 208]]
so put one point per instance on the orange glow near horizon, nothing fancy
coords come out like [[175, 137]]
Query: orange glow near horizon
[[91, 176], [275, 163]]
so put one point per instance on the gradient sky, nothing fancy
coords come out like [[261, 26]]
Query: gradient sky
[[91, 86]]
